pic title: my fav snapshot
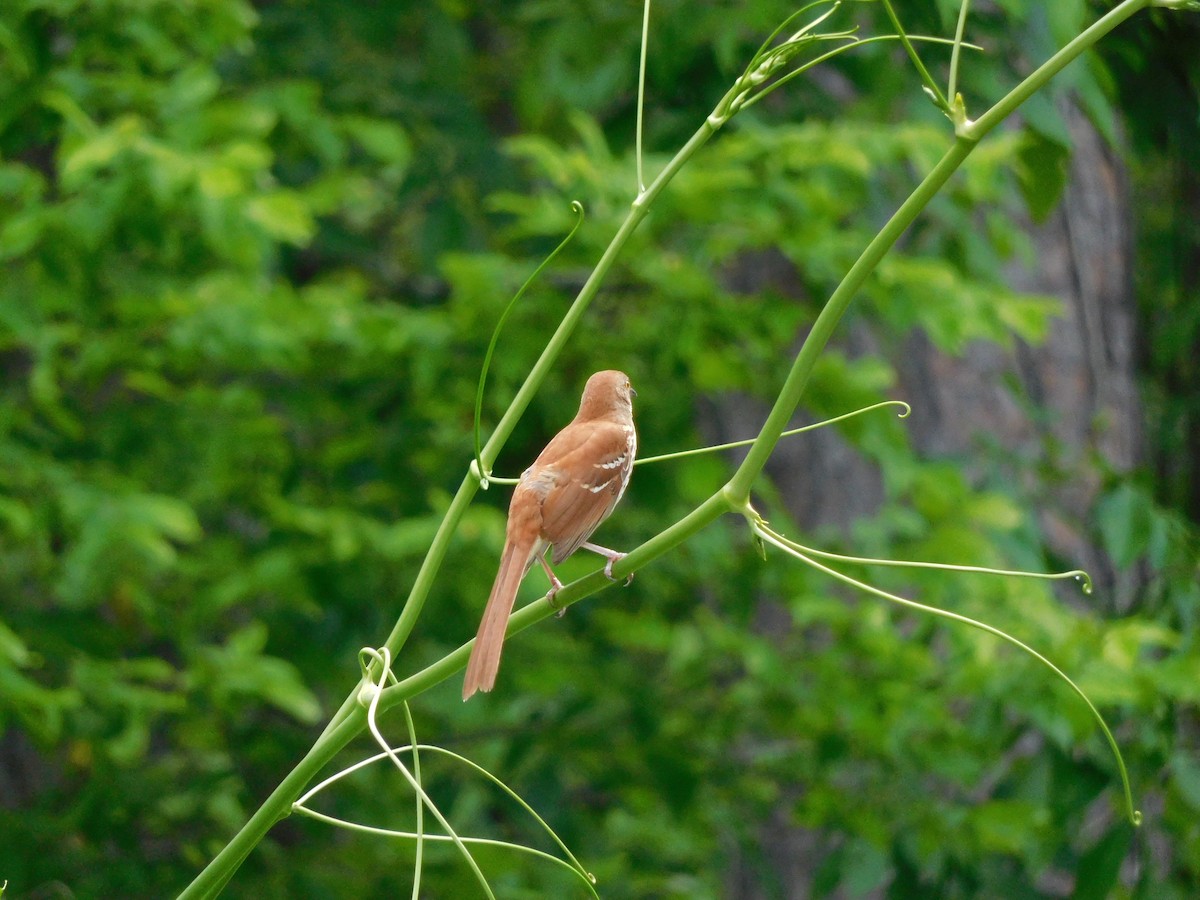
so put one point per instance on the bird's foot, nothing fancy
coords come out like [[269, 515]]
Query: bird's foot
[[613, 556], [607, 568], [555, 587], [551, 598], [608, 572]]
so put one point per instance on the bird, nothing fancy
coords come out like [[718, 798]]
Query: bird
[[573, 486]]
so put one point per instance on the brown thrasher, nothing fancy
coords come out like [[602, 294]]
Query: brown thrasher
[[560, 500]]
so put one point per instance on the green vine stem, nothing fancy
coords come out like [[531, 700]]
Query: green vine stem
[[483, 472], [641, 96], [959, 30], [570, 863], [905, 410], [931, 88], [761, 531], [414, 780], [350, 719]]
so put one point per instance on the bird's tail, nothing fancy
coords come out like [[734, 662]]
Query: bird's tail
[[485, 655]]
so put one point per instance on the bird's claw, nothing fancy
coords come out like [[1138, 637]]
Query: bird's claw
[[608, 572], [551, 598]]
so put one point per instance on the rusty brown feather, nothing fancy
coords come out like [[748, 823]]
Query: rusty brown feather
[[573, 486]]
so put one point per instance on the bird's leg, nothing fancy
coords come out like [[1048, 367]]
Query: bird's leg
[[555, 587], [612, 556]]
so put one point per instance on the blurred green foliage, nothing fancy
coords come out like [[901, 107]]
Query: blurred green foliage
[[252, 256]]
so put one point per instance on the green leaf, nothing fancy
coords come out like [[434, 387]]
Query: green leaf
[[21, 233], [1185, 778], [1124, 518], [1042, 173], [1008, 826], [99, 150], [241, 668], [865, 868], [13, 649], [284, 216], [1099, 867], [165, 515], [384, 140], [16, 518]]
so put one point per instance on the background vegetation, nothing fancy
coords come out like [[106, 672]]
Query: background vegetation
[[252, 255]]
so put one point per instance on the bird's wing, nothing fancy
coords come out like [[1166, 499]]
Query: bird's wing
[[583, 479]]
